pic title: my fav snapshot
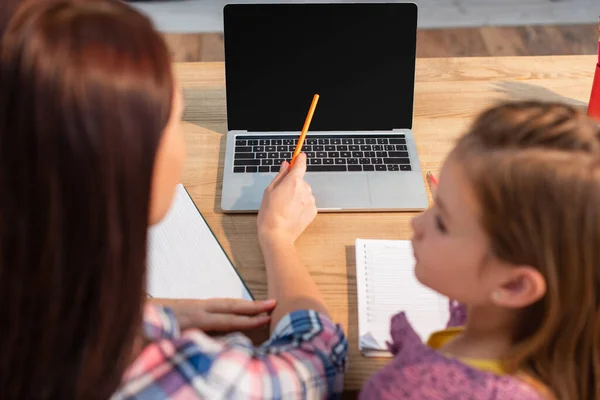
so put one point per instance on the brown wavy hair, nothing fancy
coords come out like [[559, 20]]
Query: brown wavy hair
[[86, 91], [535, 170]]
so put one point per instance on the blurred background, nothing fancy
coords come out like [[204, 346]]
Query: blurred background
[[447, 28]]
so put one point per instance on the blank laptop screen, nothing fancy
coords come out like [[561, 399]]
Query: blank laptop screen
[[360, 58]]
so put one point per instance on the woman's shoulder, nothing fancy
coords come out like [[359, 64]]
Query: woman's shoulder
[[419, 372]]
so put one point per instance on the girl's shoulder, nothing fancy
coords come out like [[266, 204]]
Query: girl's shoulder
[[419, 372]]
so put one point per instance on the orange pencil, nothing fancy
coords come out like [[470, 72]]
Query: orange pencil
[[309, 116], [432, 178]]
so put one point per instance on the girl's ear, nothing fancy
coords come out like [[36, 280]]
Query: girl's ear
[[523, 285]]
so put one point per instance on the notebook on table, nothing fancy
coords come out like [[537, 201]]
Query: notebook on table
[[185, 260], [386, 285]]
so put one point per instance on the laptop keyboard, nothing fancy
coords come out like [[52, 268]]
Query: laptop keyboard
[[325, 153]]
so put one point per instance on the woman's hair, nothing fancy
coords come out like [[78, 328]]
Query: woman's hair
[[535, 170], [86, 92]]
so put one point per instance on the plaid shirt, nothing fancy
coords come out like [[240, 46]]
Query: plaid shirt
[[305, 358]]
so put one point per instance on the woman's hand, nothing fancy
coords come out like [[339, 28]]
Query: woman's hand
[[219, 315], [288, 205]]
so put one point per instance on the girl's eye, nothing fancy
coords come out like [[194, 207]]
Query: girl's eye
[[439, 223]]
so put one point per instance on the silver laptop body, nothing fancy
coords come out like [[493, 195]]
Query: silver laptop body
[[350, 168]]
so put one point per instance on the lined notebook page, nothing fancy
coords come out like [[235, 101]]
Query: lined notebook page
[[387, 285], [185, 260]]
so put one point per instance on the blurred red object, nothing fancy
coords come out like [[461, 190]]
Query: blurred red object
[[594, 106]]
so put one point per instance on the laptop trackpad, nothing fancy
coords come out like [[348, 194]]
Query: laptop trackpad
[[339, 191]]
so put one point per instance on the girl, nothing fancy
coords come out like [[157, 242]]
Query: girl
[[90, 153], [513, 235]]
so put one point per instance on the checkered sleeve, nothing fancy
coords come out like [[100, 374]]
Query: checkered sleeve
[[305, 358], [159, 323]]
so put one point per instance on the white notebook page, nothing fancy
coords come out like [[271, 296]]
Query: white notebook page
[[185, 260], [387, 285]]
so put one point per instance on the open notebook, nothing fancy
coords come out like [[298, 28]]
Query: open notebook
[[387, 285], [185, 260]]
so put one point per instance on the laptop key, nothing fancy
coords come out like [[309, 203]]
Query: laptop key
[[352, 161], [252, 142], [345, 154], [329, 148], [266, 162], [393, 168], [382, 141], [277, 142], [333, 154], [378, 147], [273, 155], [370, 154], [382, 154], [368, 168], [239, 169], [318, 148], [328, 161], [371, 141], [238, 156], [305, 148], [282, 148], [326, 168], [342, 147], [396, 161], [287, 155], [311, 141], [275, 168], [259, 149], [340, 161], [240, 142], [358, 154], [366, 147], [376, 160], [278, 161], [397, 141], [405, 167], [323, 141], [321, 154], [271, 148], [359, 141], [364, 161], [389, 147], [261, 155], [310, 154], [264, 169], [251, 169], [263, 142], [243, 149], [246, 162], [347, 141], [398, 153], [380, 168], [336, 141], [354, 147], [354, 168], [288, 142], [316, 161], [401, 147]]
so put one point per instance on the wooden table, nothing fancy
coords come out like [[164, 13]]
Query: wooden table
[[449, 94]]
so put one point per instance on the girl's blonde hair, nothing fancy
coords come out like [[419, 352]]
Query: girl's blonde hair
[[535, 170]]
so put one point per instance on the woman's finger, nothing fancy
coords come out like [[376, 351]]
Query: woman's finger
[[231, 322], [239, 306], [283, 171]]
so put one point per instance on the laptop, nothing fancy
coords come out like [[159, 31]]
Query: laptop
[[360, 59]]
